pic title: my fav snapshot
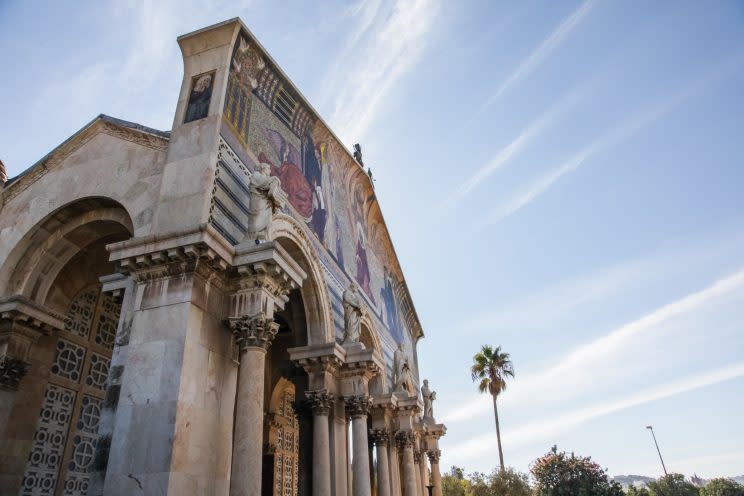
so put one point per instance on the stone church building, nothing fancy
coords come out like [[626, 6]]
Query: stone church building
[[214, 309]]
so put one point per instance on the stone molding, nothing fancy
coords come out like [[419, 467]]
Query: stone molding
[[358, 406], [22, 322], [379, 437], [404, 439], [320, 401], [434, 455], [74, 143], [257, 331]]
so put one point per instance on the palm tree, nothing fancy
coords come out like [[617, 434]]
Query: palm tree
[[491, 367]]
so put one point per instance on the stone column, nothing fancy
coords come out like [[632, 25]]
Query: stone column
[[417, 468], [436, 477], [253, 335], [424, 473], [405, 440], [358, 407], [321, 402], [380, 439], [395, 482]]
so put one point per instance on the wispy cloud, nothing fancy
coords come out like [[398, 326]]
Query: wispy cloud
[[616, 135], [548, 428], [544, 307], [528, 134], [548, 45], [593, 360], [390, 50]]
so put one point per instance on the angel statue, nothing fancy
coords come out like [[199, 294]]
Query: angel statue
[[403, 377], [429, 396], [266, 197], [352, 315]]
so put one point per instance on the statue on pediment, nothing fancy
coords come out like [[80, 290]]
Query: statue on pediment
[[352, 315], [266, 198]]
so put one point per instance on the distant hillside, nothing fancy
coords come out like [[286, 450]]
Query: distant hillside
[[632, 480], [739, 479]]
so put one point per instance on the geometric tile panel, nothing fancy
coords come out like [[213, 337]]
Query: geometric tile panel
[[68, 362], [84, 442], [80, 314], [48, 447], [108, 321], [98, 373]]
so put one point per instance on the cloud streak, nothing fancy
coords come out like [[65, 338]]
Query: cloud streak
[[590, 361], [528, 134], [555, 425], [391, 49], [548, 45], [624, 131]]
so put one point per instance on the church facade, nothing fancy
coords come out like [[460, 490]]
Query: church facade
[[214, 309]]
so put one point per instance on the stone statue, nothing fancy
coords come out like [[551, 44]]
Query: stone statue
[[358, 153], [403, 378], [352, 315], [429, 396], [266, 198]]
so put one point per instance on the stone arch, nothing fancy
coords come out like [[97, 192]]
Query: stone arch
[[370, 338], [315, 296], [37, 259]]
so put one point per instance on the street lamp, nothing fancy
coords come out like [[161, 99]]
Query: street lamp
[[651, 428]]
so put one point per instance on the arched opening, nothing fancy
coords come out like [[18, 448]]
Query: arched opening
[[287, 462], [57, 409]]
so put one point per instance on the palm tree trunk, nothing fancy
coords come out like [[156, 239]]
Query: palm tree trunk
[[498, 432]]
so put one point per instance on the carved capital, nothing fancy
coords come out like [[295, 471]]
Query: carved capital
[[253, 332], [358, 406], [320, 401], [433, 455], [404, 439], [12, 371], [417, 456], [379, 437]]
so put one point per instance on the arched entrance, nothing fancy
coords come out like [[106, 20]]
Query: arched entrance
[[57, 408]]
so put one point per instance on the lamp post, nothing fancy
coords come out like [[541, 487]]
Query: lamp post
[[651, 428], [430, 488]]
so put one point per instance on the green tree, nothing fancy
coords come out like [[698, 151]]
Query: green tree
[[722, 487], [508, 482], [491, 368], [636, 491], [672, 485], [561, 474], [455, 484]]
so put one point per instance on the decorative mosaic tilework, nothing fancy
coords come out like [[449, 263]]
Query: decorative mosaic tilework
[[47, 450]]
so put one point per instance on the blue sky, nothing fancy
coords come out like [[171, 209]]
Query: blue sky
[[560, 178]]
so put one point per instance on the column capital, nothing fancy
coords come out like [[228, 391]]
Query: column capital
[[22, 322], [434, 455], [404, 439], [417, 456], [320, 401], [257, 331], [379, 437], [357, 406]]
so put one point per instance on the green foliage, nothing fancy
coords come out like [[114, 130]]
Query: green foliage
[[490, 368], [498, 483], [637, 491], [454, 483], [672, 485], [561, 474], [722, 487]]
